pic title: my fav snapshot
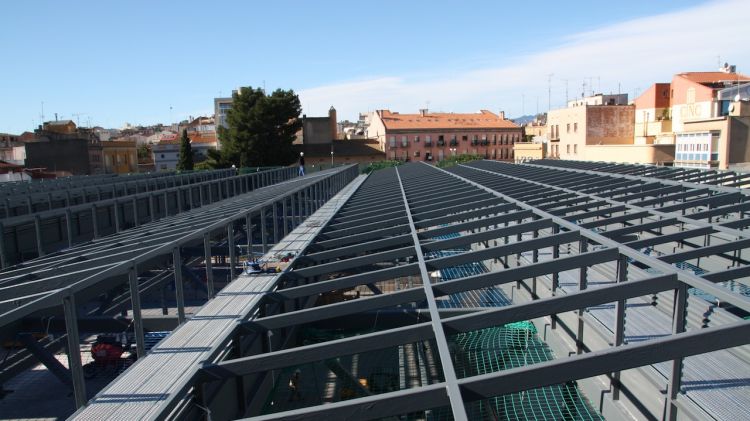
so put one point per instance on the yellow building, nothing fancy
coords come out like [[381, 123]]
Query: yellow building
[[120, 157], [525, 151]]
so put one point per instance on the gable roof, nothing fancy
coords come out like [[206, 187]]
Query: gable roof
[[482, 120]]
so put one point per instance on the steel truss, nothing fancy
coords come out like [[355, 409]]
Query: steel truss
[[75, 213], [531, 234], [686, 175], [83, 272]]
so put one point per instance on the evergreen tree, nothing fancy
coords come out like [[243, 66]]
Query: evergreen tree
[[186, 153], [261, 129]]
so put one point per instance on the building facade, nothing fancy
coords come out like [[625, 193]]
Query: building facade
[[698, 114], [573, 129], [166, 155], [120, 157], [435, 136]]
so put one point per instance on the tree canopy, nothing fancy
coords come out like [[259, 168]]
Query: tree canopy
[[261, 129], [186, 153]]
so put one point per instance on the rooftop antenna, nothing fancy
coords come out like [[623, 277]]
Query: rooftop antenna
[[41, 116], [549, 91], [566, 90]]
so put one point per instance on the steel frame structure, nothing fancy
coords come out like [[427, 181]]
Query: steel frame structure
[[74, 276], [687, 175], [115, 207], [533, 234], [23, 198]]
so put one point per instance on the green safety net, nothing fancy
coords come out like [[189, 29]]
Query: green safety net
[[510, 346]]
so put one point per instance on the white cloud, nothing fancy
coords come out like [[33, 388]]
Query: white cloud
[[633, 53]]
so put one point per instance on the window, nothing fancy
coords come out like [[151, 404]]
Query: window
[[575, 148], [404, 141], [575, 127], [416, 154], [464, 138], [416, 139], [428, 140], [162, 156], [568, 128], [567, 149], [392, 141]]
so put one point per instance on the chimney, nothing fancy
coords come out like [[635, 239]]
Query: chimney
[[502, 115], [333, 123], [423, 112]]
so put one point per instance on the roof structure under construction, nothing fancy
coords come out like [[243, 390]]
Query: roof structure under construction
[[548, 290]]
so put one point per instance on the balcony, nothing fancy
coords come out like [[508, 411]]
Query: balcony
[[441, 143], [454, 143]]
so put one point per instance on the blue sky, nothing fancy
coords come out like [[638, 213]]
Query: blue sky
[[117, 62]]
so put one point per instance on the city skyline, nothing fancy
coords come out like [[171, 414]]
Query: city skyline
[[170, 63]]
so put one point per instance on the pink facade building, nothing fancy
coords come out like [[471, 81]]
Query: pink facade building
[[435, 136]]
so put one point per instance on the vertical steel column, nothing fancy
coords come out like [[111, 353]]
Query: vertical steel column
[[298, 207], [200, 194], [135, 211], [263, 234], [179, 293], [678, 326], [582, 284], [116, 215], [555, 274], [74, 350], [135, 300], [38, 232], [150, 199], [622, 276], [232, 254], [208, 257], [94, 222], [249, 233], [178, 196], [29, 205], [69, 226], [284, 219], [308, 205], [166, 203], [275, 215], [190, 196], [3, 258]]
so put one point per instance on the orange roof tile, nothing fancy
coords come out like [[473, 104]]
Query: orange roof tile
[[483, 120], [711, 77]]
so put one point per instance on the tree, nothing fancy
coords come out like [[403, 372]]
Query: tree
[[186, 153], [261, 129]]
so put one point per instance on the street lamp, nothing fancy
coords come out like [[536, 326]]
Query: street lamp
[[331, 159], [453, 151]]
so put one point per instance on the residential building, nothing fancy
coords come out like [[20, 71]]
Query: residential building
[[63, 148], [221, 108], [120, 157], [321, 145], [581, 127], [526, 151], [434, 136], [167, 152], [60, 127], [653, 121], [599, 99], [698, 113], [319, 130], [202, 134]]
